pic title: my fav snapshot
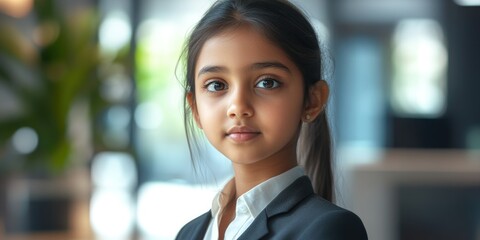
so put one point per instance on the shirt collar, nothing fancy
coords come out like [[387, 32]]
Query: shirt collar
[[257, 198], [223, 197]]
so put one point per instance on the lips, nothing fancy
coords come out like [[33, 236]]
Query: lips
[[242, 133]]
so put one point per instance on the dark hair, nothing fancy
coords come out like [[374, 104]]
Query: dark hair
[[286, 26]]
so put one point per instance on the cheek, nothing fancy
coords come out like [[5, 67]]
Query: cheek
[[283, 114], [208, 111], [289, 104]]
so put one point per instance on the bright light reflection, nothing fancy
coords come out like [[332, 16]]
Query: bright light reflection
[[148, 115], [467, 2], [112, 214], [25, 140], [112, 208], [115, 31], [113, 170], [163, 208], [160, 36], [419, 70]]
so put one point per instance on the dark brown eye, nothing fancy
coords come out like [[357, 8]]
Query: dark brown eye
[[215, 86], [268, 83]]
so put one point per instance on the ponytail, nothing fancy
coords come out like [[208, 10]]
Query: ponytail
[[315, 155]]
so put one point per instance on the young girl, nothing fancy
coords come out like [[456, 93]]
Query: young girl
[[253, 85]]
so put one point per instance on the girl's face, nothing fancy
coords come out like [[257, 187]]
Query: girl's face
[[249, 98]]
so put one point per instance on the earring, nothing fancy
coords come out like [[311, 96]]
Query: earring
[[307, 117]]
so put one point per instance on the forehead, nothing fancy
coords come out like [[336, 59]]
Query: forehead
[[243, 45]]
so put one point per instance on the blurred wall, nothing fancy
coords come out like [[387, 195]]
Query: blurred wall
[[364, 103]]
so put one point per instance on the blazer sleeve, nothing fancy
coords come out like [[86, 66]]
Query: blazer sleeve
[[336, 225]]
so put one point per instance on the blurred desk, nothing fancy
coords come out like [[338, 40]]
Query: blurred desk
[[406, 183]]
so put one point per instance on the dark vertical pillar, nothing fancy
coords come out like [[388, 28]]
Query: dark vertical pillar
[[463, 39]]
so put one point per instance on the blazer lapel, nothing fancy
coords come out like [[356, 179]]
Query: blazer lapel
[[199, 231], [286, 200]]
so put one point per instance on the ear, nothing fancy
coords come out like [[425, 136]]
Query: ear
[[318, 97], [193, 107]]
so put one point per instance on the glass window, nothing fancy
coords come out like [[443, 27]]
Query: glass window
[[419, 69]]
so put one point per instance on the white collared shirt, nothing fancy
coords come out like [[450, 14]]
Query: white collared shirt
[[249, 205]]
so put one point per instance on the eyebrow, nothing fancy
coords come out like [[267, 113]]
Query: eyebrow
[[262, 65], [255, 66], [211, 69]]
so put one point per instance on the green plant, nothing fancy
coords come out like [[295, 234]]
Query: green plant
[[47, 71]]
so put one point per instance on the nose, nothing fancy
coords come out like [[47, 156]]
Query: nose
[[240, 104]]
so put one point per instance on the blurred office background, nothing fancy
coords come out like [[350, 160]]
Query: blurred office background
[[92, 143]]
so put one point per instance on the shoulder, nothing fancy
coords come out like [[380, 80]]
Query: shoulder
[[328, 221], [298, 213], [196, 228]]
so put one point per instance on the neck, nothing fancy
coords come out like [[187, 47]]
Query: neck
[[247, 176]]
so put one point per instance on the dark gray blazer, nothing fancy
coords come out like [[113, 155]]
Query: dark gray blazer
[[296, 213]]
